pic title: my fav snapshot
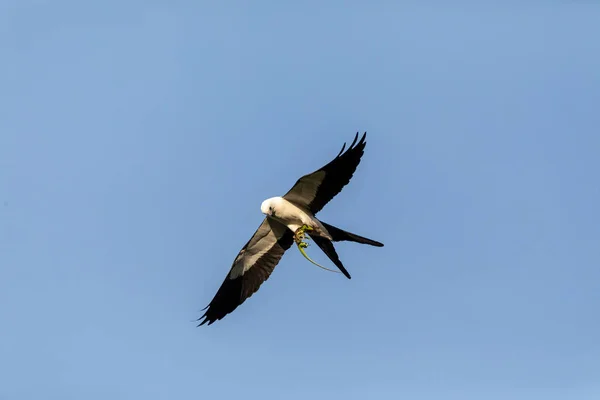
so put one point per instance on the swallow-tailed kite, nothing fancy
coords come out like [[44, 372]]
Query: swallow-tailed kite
[[287, 219]]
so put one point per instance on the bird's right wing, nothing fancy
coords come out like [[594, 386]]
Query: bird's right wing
[[252, 266]]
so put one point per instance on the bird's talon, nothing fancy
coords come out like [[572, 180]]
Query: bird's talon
[[299, 235]]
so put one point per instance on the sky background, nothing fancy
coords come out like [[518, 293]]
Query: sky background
[[138, 139]]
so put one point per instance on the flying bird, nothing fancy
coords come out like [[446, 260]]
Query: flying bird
[[287, 220]]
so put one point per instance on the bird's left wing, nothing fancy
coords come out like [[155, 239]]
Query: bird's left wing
[[315, 190], [252, 266]]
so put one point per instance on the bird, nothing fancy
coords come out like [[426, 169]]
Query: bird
[[287, 219]]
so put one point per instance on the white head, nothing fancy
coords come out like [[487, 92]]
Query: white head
[[269, 206]]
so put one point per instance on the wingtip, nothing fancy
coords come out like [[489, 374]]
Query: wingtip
[[363, 139], [342, 150], [204, 321], [353, 142], [204, 318]]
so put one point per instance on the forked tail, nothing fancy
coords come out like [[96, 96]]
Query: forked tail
[[339, 235]]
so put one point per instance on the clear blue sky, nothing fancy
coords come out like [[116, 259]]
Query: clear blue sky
[[138, 139]]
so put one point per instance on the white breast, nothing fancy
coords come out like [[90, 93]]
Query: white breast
[[294, 217]]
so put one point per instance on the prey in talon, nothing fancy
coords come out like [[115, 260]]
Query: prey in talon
[[299, 236]]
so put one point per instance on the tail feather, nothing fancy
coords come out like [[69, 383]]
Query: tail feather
[[327, 247], [339, 235]]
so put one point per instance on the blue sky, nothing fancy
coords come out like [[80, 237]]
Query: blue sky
[[138, 139]]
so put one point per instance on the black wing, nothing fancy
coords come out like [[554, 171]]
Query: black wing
[[252, 266], [315, 190]]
